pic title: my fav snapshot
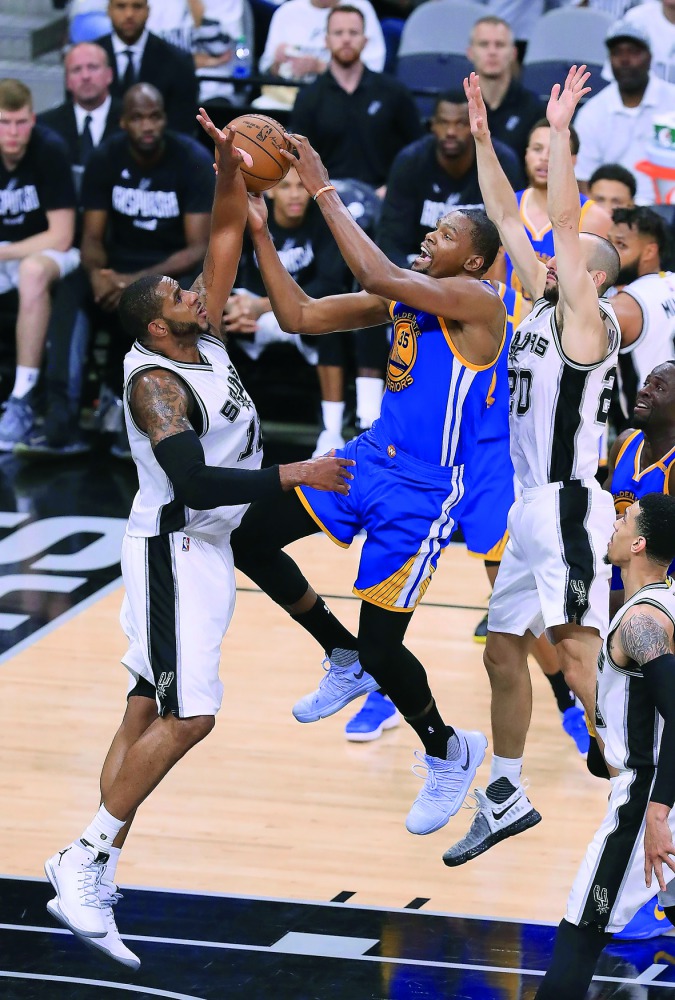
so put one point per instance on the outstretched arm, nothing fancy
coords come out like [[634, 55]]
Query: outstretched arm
[[499, 198], [228, 219], [296, 311], [456, 297], [584, 337]]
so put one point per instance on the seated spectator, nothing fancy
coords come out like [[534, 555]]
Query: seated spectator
[[617, 124], [175, 20], [296, 45], [433, 175], [37, 224], [138, 56], [90, 115], [147, 198], [521, 15], [356, 119], [310, 254], [533, 202], [512, 110], [213, 44], [612, 186], [656, 19]]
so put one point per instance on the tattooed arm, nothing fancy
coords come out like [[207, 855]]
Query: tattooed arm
[[646, 636], [161, 404]]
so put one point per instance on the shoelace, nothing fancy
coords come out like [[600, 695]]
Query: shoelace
[[418, 770], [338, 677], [90, 877]]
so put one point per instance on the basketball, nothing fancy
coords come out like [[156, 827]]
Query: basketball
[[262, 138]]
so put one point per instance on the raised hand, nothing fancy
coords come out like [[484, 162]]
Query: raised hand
[[227, 154], [477, 110], [308, 163], [563, 103]]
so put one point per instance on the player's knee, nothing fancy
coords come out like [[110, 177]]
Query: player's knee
[[374, 656], [188, 732], [500, 666], [572, 660]]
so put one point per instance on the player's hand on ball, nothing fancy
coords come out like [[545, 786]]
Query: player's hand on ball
[[477, 112], [308, 163], [563, 103], [223, 140], [257, 213]]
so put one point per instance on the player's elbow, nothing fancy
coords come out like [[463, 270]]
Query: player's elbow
[[565, 221]]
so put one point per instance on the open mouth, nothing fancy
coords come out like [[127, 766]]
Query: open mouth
[[641, 405], [424, 253]]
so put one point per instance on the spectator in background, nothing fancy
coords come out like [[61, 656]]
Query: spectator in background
[[138, 56], [521, 15], [512, 110], [90, 115], [309, 253], [213, 41], [296, 44], [617, 124], [657, 21], [612, 186], [433, 175], [357, 120], [533, 202], [37, 224], [175, 20]]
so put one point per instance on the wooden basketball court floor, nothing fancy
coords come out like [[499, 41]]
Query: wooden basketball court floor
[[273, 861]]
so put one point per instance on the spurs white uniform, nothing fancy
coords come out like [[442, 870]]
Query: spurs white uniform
[[655, 294], [552, 571], [610, 886], [177, 563]]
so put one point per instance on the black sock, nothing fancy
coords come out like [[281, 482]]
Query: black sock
[[563, 696], [331, 634], [433, 732], [575, 954]]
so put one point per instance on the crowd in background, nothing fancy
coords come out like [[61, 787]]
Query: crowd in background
[[114, 183]]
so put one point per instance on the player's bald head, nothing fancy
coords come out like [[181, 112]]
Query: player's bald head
[[140, 96], [601, 255]]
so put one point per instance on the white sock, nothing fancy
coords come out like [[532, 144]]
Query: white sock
[[368, 399], [103, 829], [332, 414], [506, 767], [25, 379], [111, 867]]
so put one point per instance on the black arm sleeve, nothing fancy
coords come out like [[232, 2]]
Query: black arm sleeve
[[202, 486], [659, 675]]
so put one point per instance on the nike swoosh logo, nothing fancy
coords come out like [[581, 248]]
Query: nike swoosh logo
[[465, 767], [359, 675], [498, 815]]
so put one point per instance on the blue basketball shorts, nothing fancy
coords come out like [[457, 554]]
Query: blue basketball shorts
[[490, 494], [408, 510]]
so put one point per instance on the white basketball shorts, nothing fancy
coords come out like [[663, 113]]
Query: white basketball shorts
[[610, 886], [180, 594], [552, 571]]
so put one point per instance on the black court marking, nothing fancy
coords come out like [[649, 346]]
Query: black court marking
[[210, 947], [417, 903], [342, 897]]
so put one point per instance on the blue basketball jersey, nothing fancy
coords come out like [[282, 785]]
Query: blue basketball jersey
[[434, 400], [495, 426], [629, 484], [541, 239]]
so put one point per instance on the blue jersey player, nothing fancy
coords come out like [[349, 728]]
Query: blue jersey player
[[413, 468]]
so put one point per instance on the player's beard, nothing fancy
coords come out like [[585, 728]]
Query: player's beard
[[552, 294], [185, 331], [628, 274]]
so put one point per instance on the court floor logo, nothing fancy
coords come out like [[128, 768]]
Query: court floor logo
[[49, 567]]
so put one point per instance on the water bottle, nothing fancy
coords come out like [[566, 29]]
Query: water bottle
[[241, 66]]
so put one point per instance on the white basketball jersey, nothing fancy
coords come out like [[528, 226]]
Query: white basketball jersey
[[558, 408], [625, 716], [655, 294], [226, 421]]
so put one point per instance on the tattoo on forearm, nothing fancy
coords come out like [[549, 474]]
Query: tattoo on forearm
[[160, 404], [643, 638]]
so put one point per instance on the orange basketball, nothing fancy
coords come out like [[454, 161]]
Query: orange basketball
[[262, 138]]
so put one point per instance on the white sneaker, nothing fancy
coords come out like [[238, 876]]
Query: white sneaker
[[494, 821], [326, 441], [112, 944], [339, 686], [446, 784], [75, 874]]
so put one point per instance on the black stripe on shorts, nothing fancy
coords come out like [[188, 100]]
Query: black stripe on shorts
[[162, 639], [574, 502], [616, 854]]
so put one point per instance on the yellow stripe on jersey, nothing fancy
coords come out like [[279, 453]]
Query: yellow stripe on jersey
[[306, 504], [387, 593], [469, 364]]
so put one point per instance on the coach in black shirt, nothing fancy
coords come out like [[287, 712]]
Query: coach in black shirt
[[434, 175], [357, 120]]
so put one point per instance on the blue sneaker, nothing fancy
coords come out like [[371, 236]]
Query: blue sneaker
[[574, 724], [649, 922], [377, 714]]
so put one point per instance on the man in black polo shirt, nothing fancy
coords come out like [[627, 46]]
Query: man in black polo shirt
[[356, 120], [512, 110], [433, 175]]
